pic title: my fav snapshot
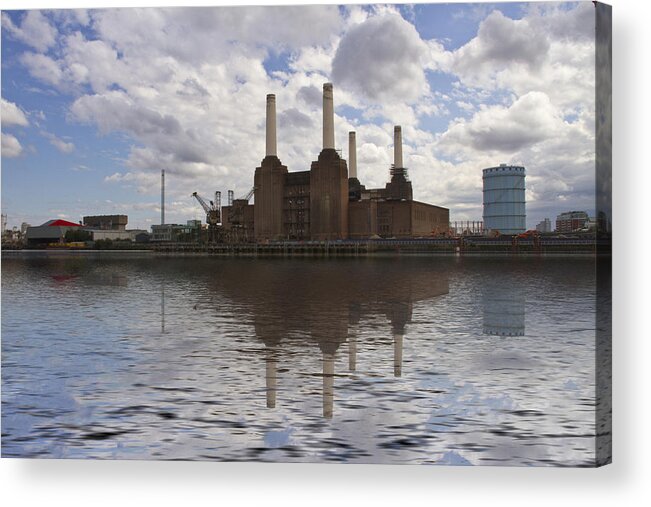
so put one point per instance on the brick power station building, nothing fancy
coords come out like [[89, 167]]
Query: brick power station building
[[328, 202]]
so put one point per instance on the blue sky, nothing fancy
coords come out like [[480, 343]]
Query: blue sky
[[96, 102]]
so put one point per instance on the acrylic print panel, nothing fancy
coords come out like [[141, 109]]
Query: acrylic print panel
[[355, 234]]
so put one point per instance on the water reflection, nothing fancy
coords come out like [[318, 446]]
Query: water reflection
[[503, 306], [323, 308], [378, 360], [162, 308]]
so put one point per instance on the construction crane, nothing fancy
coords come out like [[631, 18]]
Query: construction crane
[[248, 196], [213, 212]]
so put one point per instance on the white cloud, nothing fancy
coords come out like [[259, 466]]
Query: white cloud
[[550, 50], [313, 59], [12, 115], [466, 106], [382, 59], [70, 17], [311, 95], [11, 147], [500, 42], [293, 118], [561, 23], [529, 120], [117, 111], [58, 143], [205, 34], [35, 30], [92, 62], [43, 67]]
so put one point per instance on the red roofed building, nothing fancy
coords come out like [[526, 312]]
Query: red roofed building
[[52, 231], [60, 223]]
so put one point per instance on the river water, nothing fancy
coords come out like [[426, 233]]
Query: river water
[[442, 360]]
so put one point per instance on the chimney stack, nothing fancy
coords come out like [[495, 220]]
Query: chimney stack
[[162, 197], [352, 155], [271, 126], [397, 147], [328, 118]]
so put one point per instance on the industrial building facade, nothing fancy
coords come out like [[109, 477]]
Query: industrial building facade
[[327, 202], [107, 222]]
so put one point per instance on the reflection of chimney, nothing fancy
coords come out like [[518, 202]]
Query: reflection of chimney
[[352, 352], [162, 309], [271, 126], [397, 146], [328, 384], [162, 197], [352, 155], [271, 379], [397, 355], [328, 118]]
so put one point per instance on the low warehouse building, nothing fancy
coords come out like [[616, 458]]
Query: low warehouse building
[[52, 231]]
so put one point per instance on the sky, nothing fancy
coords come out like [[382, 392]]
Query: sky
[[95, 102]]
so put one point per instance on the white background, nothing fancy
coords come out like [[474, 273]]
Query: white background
[[626, 482]]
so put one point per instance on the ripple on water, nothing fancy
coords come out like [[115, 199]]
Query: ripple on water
[[374, 360]]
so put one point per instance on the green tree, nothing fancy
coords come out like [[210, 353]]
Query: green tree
[[73, 235]]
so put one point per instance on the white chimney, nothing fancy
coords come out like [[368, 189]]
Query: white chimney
[[397, 147], [352, 155], [271, 126], [328, 118]]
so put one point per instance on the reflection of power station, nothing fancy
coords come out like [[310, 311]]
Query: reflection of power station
[[503, 310], [162, 308], [329, 340], [343, 302]]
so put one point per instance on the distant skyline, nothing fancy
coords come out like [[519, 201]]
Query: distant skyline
[[96, 102]]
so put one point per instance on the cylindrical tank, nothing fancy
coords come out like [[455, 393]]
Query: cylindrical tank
[[504, 200]]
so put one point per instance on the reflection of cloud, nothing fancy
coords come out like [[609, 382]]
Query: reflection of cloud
[[279, 438], [453, 458]]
